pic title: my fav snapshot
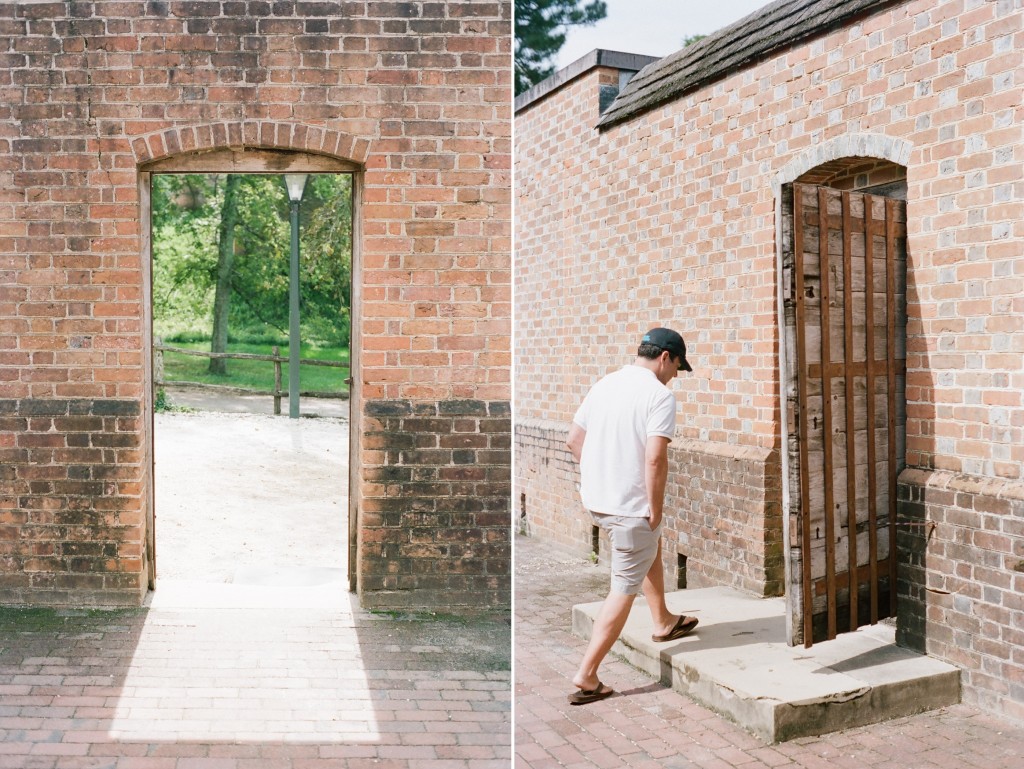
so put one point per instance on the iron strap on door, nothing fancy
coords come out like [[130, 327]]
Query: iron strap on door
[[847, 294]]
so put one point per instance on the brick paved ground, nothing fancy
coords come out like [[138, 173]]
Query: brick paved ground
[[647, 725], [251, 689]]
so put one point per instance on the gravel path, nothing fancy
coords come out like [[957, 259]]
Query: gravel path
[[244, 494]]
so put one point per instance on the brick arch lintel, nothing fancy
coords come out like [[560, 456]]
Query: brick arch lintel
[[859, 145], [249, 134]]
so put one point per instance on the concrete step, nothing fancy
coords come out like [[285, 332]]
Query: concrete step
[[737, 663]]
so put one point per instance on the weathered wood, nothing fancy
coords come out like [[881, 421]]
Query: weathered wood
[[208, 354], [849, 426], [277, 380], [750, 39], [801, 346], [251, 356], [857, 368], [158, 362], [849, 411], [843, 581], [826, 395], [894, 470], [870, 385], [232, 390], [256, 161]]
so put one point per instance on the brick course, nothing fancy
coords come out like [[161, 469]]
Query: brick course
[[670, 217], [414, 97]]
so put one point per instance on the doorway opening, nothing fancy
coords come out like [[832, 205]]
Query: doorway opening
[[843, 286], [243, 501]]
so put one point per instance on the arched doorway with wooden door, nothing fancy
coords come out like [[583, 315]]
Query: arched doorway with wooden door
[[843, 286]]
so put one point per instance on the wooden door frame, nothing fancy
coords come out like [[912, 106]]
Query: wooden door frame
[[247, 161], [785, 380], [355, 393]]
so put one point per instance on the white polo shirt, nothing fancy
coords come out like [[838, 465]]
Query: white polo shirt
[[619, 413]]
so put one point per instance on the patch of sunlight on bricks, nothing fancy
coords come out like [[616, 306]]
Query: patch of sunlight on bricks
[[259, 675]]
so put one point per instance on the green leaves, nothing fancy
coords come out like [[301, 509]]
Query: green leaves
[[186, 214], [541, 26]]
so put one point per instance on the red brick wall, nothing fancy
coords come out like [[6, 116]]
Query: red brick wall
[[670, 219], [725, 514], [961, 586], [416, 94]]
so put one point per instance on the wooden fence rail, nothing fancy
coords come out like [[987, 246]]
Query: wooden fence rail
[[158, 372]]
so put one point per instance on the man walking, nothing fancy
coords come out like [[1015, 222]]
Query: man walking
[[620, 437]]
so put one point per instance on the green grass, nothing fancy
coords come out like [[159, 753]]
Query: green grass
[[258, 374]]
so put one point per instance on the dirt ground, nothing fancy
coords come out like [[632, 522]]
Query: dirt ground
[[235, 403], [249, 498]]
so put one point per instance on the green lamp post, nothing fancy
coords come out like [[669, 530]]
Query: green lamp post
[[295, 183]]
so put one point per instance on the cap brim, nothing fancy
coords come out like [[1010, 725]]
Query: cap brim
[[685, 365]]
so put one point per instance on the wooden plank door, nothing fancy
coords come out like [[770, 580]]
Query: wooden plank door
[[844, 292]]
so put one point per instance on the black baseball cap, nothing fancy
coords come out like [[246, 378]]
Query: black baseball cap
[[669, 340]]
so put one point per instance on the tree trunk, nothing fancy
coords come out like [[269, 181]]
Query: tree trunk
[[225, 261]]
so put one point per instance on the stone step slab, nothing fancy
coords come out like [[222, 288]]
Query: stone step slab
[[737, 663]]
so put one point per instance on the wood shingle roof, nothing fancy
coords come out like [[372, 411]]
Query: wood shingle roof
[[766, 31]]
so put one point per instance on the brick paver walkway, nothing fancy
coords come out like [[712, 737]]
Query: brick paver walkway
[[257, 688], [647, 725]]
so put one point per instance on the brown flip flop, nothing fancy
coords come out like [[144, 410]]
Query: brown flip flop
[[584, 696], [683, 626]]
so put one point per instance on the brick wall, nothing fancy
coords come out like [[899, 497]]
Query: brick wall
[[723, 510], [548, 505], [436, 501], [70, 518], [670, 218], [961, 587], [414, 95]]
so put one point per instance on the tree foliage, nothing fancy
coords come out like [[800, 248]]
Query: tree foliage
[[225, 265], [541, 26], [186, 218]]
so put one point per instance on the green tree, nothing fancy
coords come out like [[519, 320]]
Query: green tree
[[184, 228], [541, 26], [691, 39], [193, 252], [225, 262]]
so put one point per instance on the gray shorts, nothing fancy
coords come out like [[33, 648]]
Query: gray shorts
[[634, 548]]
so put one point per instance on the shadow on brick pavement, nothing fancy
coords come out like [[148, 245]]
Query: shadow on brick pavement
[[273, 687], [648, 725]]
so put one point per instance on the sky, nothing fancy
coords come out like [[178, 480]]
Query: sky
[[653, 27]]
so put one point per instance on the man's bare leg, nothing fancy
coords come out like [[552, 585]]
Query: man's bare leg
[[654, 592], [607, 628], [612, 618]]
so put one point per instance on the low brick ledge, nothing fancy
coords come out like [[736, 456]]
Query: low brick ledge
[[947, 480]]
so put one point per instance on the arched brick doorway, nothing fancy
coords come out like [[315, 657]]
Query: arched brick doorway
[[205, 156]]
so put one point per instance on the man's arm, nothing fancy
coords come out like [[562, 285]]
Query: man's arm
[[656, 475], [575, 441]]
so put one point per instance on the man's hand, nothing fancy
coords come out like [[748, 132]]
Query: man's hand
[[656, 476], [575, 441]]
